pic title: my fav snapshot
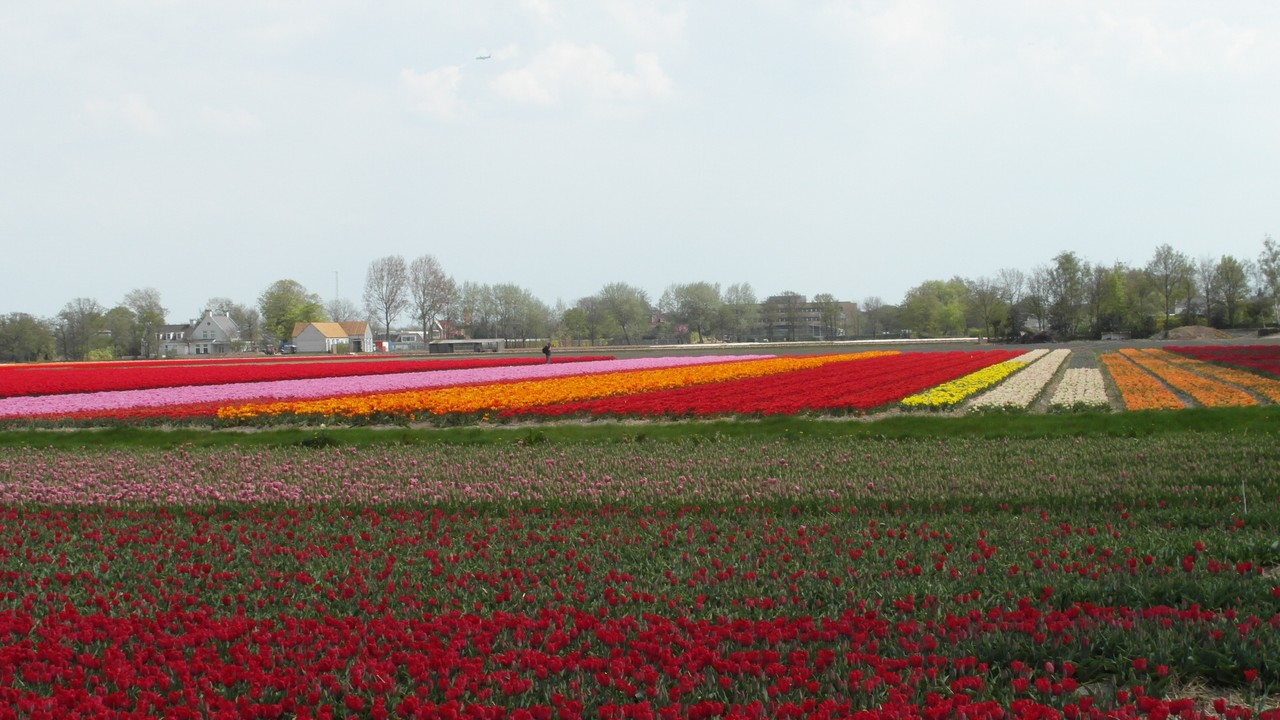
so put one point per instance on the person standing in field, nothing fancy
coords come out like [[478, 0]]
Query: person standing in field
[[546, 350]]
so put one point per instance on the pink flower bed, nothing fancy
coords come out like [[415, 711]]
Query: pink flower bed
[[128, 402]]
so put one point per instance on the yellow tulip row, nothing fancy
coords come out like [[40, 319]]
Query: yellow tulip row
[[955, 391], [529, 393]]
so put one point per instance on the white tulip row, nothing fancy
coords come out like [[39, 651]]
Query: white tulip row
[[1024, 386], [1081, 388]]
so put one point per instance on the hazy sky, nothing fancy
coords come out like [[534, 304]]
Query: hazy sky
[[851, 147]]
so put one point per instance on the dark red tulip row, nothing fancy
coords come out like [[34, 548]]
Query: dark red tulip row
[[858, 385], [1263, 358]]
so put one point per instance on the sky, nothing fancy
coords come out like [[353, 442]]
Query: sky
[[853, 147]]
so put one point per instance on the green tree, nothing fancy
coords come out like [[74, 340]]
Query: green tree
[[121, 326], [1065, 294], [697, 305], [573, 325], [26, 338], [594, 319], [1108, 300], [286, 303], [1143, 302], [936, 308], [1231, 278], [627, 305]]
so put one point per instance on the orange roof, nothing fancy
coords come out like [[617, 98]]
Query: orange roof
[[327, 329], [357, 327]]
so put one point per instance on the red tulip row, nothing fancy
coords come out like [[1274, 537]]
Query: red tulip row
[[861, 384], [1264, 358], [558, 662], [746, 612], [61, 379]]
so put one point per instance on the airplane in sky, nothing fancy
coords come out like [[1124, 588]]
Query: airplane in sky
[[484, 57]]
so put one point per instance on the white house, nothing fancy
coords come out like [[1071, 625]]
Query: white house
[[329, 337], [216, 334]]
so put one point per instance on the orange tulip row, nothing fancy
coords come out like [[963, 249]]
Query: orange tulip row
[[1139, 389], [508, 395], [1204, 390], [1267, 387]]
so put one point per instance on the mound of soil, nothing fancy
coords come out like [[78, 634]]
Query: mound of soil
[[1197, 332]]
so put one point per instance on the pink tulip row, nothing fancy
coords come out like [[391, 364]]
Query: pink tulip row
[[58, 405]]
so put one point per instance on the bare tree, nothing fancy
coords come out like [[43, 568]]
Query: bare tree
[[148, 313], [1269, 275], [342, 310], [741, 311], [431, 291], [1206, 275], [984, 299], [77, 323], [829, 315], [871, 305], [386, 290], [1013, 289], [248, 319]]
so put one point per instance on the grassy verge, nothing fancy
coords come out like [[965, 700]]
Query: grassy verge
[[1258, 421]]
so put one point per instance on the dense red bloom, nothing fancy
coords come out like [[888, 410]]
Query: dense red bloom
[[857, 384]]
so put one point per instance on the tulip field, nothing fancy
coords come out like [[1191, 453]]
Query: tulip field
[[371, 391], [863, 534]]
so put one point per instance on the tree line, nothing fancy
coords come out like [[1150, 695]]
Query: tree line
[[1066, 298], [1069, 298]]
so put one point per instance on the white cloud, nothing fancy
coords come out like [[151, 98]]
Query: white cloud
[[566, 71], [1205, 46], [230, 120], [434, 93], [541, 8], [295, 26], [648, 22], [130, 110]]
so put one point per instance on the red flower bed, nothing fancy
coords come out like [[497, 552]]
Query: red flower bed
[[546, 663], [1263, 358], [20, 380], [860, 384], [745, 613]]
